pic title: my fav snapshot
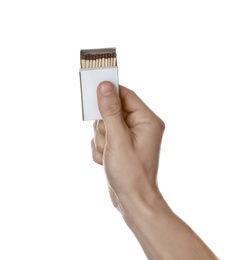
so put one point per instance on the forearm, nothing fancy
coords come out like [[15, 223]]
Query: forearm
[[161, 233]]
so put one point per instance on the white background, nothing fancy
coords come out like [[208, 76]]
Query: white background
[[181, 57]]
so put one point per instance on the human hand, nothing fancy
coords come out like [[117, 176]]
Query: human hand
[[127, 143]]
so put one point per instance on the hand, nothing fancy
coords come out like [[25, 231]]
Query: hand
[[127, 142]]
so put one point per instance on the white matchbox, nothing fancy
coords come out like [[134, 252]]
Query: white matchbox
[[90, 78]]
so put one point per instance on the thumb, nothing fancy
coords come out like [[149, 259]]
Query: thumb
[[109, 105]]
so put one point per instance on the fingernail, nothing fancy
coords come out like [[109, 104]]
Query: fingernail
[[106, 88]]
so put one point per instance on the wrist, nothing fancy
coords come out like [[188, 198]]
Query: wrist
[[139, 208]]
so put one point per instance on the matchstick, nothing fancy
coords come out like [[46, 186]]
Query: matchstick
[[109, 59], [114, 59], [91, 61], [105, 60], [87, 57], [94, 61], [97, 60], [102, 61], [83, 62]]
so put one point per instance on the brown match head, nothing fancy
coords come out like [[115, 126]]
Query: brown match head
[[105, 56], [109, 55], [94, 57]]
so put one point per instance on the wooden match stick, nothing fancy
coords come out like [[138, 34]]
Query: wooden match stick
[[109, 59], [97, 60], [93, 61], [102, 60], [112, 59], [83, 61], [105, 60], [90, 60], [87, 57]]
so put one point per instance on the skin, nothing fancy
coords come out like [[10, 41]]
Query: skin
[[127, 143]]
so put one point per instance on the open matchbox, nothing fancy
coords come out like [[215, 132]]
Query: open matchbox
[[96, 65]]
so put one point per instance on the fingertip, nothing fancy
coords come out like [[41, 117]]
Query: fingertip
[[106, 88]]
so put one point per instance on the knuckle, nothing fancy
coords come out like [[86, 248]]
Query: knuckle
[[131, 93], [160, 125]]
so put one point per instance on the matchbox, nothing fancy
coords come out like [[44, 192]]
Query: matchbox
[[96, 65]]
